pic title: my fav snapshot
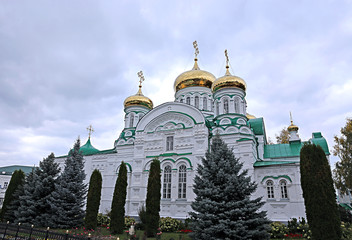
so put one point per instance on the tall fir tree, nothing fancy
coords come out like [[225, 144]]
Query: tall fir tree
[[93, 200], [67, 201], [319, 194], [153, 199], [17, 180], [223, 208], [26, 212], [117, 222], [47, 176]]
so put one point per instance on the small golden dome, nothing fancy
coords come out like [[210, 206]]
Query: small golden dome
[[292, 127], [138, 100], [228, 81], [250, 116], [194, 78]]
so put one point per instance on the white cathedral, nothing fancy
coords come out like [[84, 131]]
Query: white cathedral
[[178, 133]]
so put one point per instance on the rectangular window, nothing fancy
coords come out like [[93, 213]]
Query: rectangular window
[[169, 143], [5, 185]]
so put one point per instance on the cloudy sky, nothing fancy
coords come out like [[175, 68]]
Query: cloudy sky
[[67, 64]]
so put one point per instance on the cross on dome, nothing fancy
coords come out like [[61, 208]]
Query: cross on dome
[[90, 130], [196, 52], [141, 78]]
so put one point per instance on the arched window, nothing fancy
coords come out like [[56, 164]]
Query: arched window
[[181, 100], [205, 105], [226, 105], [237, 105], [131, 119], [283, 186], [196, 101], [270, 189], [188, 100], [217, 108], [182, 181], [167, 182]]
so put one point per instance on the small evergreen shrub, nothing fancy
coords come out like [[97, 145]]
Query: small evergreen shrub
[[278, 230], [168, 224], [129, 221], [142, 217], [103, 220], [346, 230]]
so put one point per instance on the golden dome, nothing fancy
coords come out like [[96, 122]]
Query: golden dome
[[194, 78], [292, 127], [228, 81], [138, 100], [250, 116]]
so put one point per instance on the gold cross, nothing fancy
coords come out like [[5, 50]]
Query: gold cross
[[195, 45], [90, 130], [141, 78], [227, 57]]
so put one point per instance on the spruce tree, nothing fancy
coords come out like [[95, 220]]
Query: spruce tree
[[117, 222], [17, 179], [93, 200], [47, 174], [319, 194], [153, 199], [67, 201], [223, 208], [26, 212]]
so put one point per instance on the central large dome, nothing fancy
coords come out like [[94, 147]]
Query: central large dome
[[194, 78]]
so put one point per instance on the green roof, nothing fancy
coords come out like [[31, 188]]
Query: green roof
[[88, 149], [282, 150], [257, 124], [318, 139], [293, 149], [8, 170]]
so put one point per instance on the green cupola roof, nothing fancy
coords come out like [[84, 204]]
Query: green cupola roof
[[88, 149]]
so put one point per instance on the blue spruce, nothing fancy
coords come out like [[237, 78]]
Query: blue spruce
[[26, 212], [223, 208], [47, 176], [67, 201]]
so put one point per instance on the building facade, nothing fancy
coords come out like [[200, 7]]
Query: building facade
[[5, 178], [178, 133]]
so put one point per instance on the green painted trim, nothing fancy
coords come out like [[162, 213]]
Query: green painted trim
[[277, 177], [346, 206], [145, 170], [129, 166], [189, 161], [229, 114], [174, 169], [271, 163], [168, 159], [168, 155], [245, 139], [192, 93]]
